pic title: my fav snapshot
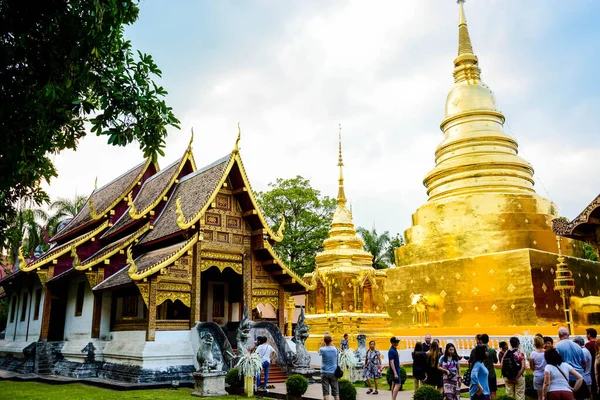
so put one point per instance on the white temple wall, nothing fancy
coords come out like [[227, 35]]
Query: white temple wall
[[170, 348], [25, 326], [78, 327]]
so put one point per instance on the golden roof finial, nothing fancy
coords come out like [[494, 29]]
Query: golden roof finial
[[341, 199], [189, 148], [21, 257], [93, 211], [132, 267], [236, 149], [76, 261], [466, 62], [179, 212]]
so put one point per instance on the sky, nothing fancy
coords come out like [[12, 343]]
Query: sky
[[290, 71]]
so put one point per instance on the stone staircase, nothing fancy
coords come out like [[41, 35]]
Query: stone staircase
[[276, 375]]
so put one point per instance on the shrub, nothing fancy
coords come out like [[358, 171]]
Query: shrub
[[427, 393], [347, 390], [296, 385], [389, 375], [233, 378], [505, 397]]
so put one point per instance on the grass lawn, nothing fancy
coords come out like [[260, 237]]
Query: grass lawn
[[78, 391]]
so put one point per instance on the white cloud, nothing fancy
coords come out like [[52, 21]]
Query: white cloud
[[383, 70]]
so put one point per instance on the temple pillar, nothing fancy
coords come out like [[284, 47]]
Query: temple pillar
[[359, 298], [247, 279], [153, 289], [97, 308], [196, 285], [281, 310], [291, 306], [45, 328]]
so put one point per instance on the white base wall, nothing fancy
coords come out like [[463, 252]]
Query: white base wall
[[14, 347], [170, 348]]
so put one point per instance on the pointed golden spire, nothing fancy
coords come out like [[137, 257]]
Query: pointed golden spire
[[341, 198], [236, 149], [465, 64], [93, 211]]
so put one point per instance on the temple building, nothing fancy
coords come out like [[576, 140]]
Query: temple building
[[584, 301], [480, 251], [347, 296], [150, 254]]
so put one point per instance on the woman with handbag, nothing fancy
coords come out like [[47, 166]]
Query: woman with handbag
[[556, 378], [450, 367], [329, 368]]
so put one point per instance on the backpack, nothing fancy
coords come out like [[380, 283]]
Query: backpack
[[510, 368]]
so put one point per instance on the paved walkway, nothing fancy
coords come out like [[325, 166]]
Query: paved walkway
[[314, 392]]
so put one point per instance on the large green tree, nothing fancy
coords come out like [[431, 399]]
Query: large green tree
[[307, 215], [64, 64]]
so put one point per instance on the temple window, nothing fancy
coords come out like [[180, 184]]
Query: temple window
[[79, 299], [172, 310], [38, 300], [13, 309], [130, 306], [24, 307]]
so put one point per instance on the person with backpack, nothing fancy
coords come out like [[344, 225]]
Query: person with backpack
[[556, 381], [513, 367]]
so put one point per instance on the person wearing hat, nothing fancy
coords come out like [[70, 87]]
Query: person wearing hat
[[394, 360]]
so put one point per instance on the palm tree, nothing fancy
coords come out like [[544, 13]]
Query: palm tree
[[28, 231], [63, 209], [377, 245]]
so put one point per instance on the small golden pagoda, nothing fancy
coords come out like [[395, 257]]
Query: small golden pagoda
[[481, 251], [348, 296]]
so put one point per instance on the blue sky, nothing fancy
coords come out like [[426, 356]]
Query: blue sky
[[290, 71]]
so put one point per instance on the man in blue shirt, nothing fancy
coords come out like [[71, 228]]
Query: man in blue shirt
[[394, 360], [570, 352]]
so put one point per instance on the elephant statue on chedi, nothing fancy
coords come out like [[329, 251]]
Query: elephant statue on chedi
[[426, 309]]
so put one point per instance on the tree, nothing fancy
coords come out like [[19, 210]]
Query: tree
[[307, 215], [65, 64], [390, 253], [376, 244], [63, 209], [27, 229], [589, 253]]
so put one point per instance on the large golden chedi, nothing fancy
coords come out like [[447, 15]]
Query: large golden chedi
[[481, 251], [348, 292]]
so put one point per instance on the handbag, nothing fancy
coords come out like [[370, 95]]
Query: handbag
[[338, 373], [466, 380], [582, 393]]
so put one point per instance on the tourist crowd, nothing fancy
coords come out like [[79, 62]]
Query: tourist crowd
[[567, 370]]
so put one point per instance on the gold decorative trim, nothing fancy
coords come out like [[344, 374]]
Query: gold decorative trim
[[75, 257], [43, 277], [134, 214], [75, 243], [184, 297], [234, 158], [274, 301], [235, 266], [144, 292], [21, 257], [86, 265], [136, 276], [92, 278], [221, 256]]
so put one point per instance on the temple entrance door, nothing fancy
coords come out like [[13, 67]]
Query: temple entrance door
[[58, 311], [218, 304]]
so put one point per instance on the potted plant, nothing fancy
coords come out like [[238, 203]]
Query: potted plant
[[249, 366], [389, 375], [235, 382], [295, 386]]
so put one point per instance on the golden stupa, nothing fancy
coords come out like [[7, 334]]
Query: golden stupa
[[481, 251], [348, 292]]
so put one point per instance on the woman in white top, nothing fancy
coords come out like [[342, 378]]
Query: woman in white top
[[266, 352], [556, 377], [537, 363]]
